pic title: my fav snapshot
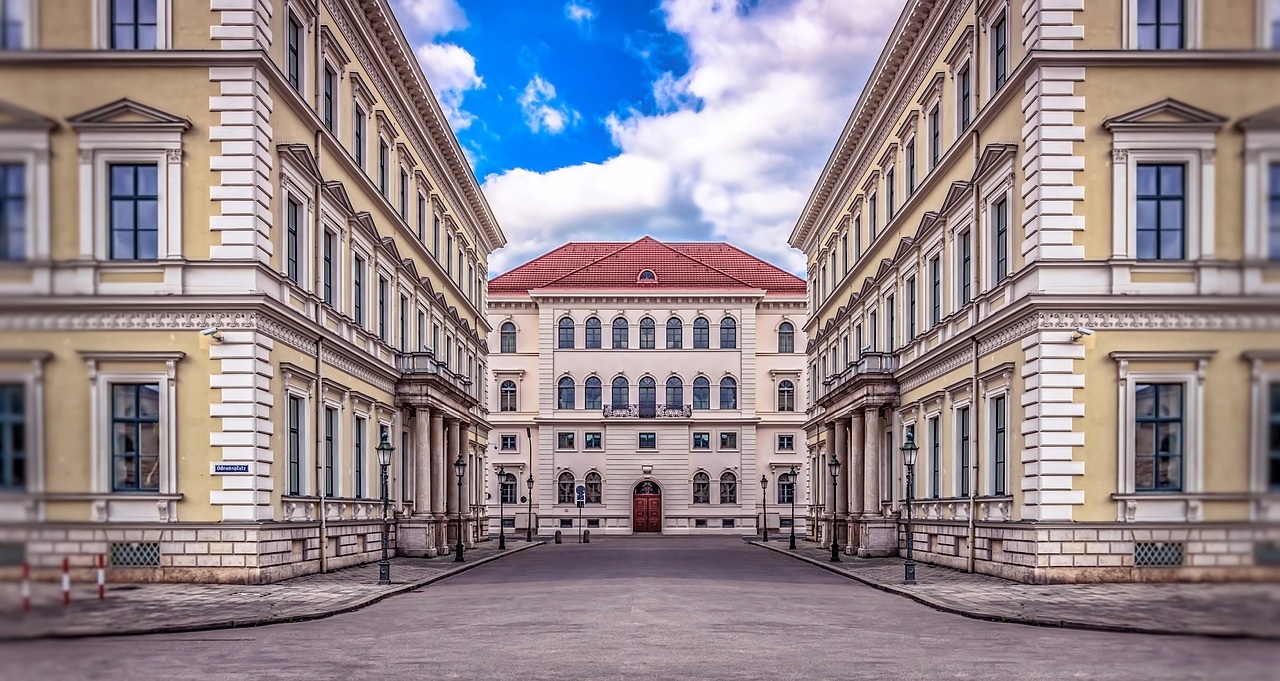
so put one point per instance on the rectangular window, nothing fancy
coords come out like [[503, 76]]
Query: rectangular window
[[295, 445], [1273, 24], [1273, 210], [134, 211], [702, 440], [935, 288], [935, 458], [357, 136], [13, 211], [675, 336], [592, 394], [999, 445], [293, 60], [357, 291], [891, 194], [13, 441], [133, 24], [435, 236], [962, 105], [873, 215], [1000, 233], [873, 326], [1161, 24], [293, 245], [330, 451], [648, 335], [592, 441], [448, 251], [701, 394], [857, 236], [728, 440], [422, 218], [910, 152], [12, 24], [135, 437], [962, 425], [911, 308], [404, 195], [564, 440], [891, 309], [935, 136], [357, 457], [384, 152], [1161, 211], [844, 254], [786, 443], [509, 443], [1158, 437], [382, 309], [1273, 438], [592, 335], [648, 441], [565, 333], [965, 275], [1000, 50], [404, 324], [330, 99]]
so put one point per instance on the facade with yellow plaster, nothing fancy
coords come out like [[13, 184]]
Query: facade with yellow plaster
[[241, 246], [1046, 249]]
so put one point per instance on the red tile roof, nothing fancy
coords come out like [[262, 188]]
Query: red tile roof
[[614, 265]]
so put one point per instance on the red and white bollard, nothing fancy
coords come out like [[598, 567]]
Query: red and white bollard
[[102, 581], [26, 587], [66, 582]]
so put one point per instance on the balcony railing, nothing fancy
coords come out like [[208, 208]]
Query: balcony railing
[[425, 363], [869, 364], [647, 411]]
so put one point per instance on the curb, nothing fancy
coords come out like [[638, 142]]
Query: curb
[[1014, 619], [278, 619]]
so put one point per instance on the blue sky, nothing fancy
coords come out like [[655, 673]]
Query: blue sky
[[611, 119]]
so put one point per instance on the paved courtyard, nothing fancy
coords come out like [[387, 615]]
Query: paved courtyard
[[645, 608]]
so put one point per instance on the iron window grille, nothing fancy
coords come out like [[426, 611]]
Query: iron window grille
[[728, 489], [1158, 554], [701, 490], [564, 488], [134, 554]]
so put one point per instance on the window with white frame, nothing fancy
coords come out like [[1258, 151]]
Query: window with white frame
[[935, 456], [1269, 24], [296, 444], [331, 451], [14, 211], [422, 218], [891, 323], [728, 488], [999, 447], [912, 294], [293, 51], [964, 97], [1273, 210], [935, 290], [134, 415], [383, 329], [403, 311], [728, 440], [964, 459], [786, 396], [999, 217], [786, 488], [358, 141], [565, 440], [507, 396], [359, 270], [404, 194], [566, 393], [133, 214], [891, 193], [329, 105], [1161, 416], [15, 22], [293, 238], [384, 161], [701, 488], [16, 417], [935, 135], [999, 42], [786, 336], [592, 440], [507, 337], [1161, 216], [964, 267], [358, 455], [909, 161], [329, 265], [594, 484], [134, 24], [592, 393], [786, 442], [509, 443], [1159, 24], [873, 214]]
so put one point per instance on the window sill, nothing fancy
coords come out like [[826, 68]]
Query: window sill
[[98, 496]]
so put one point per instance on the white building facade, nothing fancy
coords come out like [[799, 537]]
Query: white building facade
[[665, 380]]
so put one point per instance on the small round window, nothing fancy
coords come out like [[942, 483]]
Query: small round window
[[647, 275]]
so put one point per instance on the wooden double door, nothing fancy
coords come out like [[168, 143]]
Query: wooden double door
[[646, 508]]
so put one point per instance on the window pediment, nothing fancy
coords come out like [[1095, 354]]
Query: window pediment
[[13, 117], [127, 114], [1166, 115], [1263, 120]]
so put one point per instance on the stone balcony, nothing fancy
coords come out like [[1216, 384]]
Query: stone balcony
[[647, 411], [421, 373]]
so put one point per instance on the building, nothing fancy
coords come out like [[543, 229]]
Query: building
[[241, 245], [1045, 247], [662, 378]]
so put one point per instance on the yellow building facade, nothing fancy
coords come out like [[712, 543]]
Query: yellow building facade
[[242, 248], [1046, 249]]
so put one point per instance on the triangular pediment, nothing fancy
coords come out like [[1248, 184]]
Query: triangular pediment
[[14, 117], [300, 156], [1165, 114], [1263, 120], [337, 192], [126, 113], [993, 155]]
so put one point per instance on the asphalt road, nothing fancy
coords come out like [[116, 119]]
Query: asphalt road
[[660, 608]]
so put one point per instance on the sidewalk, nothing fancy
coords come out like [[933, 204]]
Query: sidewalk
[[158, 608], [1250, 610]]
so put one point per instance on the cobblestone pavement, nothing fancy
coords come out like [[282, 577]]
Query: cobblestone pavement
[[1237, 609], [148, 608], [645, 608]]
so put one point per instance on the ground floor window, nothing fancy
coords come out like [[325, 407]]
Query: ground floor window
[[1158, 436], [728, 488], [564, 488], [701, 488], [507, 488], [135, 437], [13, 459], [1273, 439]]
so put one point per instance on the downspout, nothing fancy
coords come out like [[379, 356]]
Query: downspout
[[974, 457], [976, 264], [320, 491]]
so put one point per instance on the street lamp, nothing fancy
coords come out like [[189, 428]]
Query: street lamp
[[528, 529], [834, 466], [384, 450], [791, 478], [460, 468], [502, 516], [764, 498], [909, 452]]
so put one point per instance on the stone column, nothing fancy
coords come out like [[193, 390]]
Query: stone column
[[871, 463], [422, 462], [438, 479], [450, 455], [855, 460], [829, 507], [846, 469]]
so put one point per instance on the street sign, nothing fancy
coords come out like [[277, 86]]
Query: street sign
[[230, 468], [582, 494]]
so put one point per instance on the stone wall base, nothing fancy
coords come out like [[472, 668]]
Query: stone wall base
[[876, 537]]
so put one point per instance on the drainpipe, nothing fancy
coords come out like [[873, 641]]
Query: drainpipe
[[974, 412], [976, 262], [320, 491]]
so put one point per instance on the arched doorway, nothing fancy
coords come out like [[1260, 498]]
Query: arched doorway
[[646, 507]]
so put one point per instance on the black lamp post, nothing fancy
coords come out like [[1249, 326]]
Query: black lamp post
[[764, 499], [909, 452], [528, 530], [834, 466], [792, 479], [384, 450], [502, 516], [460, 468]]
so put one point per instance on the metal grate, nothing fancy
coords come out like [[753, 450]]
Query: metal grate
[[1266, 553], [12, 553], [135, 554], [1158, 554]]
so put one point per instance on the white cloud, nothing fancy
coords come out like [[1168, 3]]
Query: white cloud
[[736, 146], [541, 112], [579, 13], [450, 69]]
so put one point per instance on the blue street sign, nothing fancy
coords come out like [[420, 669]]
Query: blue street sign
[[582, 494]]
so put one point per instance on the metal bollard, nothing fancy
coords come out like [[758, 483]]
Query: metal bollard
[[557, 536], [586, 536]]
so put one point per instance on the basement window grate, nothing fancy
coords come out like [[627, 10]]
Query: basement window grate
[[1158, 554], [12, 553], [1266, 553], [135, 554]]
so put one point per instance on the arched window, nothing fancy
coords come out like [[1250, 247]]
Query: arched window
[[728, 333], [647, 275], [701, 333], [593, 333], [648, 392], [620, 331], [675, 334], [701, 393], [507, 488], [647, 334], [508, 334], [621, 392], [701, 488], [786, 396], [786, 337], [595, 488], [566, 334], [728, 488], [564, 488], [728, 393], [675, 392], [786, 489], [591, 394], [565, 393], [507, 396]]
